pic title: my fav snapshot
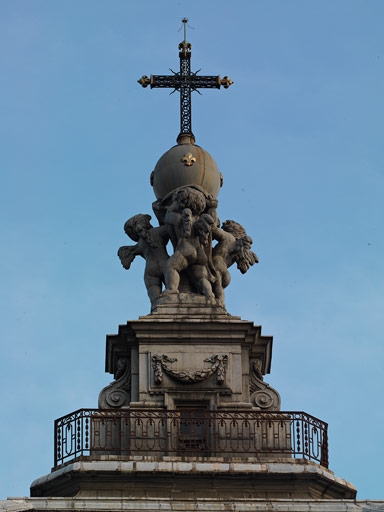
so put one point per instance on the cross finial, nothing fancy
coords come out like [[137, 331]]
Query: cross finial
[[185, 22], [185, 82]]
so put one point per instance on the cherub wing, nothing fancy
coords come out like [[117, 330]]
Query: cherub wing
[[244, 257], [127, 254]]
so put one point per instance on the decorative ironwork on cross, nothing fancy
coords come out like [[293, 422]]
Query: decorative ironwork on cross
[[185, 82]]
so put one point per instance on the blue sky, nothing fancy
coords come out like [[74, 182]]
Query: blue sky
[[298, 138]]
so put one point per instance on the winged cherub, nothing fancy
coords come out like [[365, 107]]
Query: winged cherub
[[151, 245], [234, 245]]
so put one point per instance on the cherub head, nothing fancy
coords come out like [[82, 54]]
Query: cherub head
[[234, 228], [188, 197], [203, 228], [137, 225]]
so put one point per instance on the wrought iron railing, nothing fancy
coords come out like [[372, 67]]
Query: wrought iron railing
[[186, 432]]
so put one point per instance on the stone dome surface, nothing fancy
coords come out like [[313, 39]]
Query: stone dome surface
[[185, 164]]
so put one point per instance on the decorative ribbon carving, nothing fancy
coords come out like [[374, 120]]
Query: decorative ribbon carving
[[163, 363], [118, 393], [262, 395]]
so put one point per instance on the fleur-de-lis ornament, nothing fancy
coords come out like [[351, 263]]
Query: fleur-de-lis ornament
[[188, 159]]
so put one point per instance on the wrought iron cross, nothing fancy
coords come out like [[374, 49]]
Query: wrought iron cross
[[185, 82]]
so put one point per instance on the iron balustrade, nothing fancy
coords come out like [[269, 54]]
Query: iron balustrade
[[190, 432]]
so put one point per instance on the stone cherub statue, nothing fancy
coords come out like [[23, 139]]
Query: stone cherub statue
[[234, 245], [190, 231], [151, 245], [203, 251]]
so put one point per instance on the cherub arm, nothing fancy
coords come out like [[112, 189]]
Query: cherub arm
[[218, 234]]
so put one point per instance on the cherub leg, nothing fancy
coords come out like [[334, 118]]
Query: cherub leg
[[206, 289], [175, 264], [154, 287], [218, 289], [199, 277]]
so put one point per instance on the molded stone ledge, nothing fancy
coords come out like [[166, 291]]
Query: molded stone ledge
[[211, 504], [177, 477]]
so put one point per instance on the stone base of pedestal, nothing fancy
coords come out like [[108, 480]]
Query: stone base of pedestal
[[193, 481], [110, 504]]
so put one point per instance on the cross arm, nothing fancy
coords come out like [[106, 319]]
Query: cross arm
[[176, 81]]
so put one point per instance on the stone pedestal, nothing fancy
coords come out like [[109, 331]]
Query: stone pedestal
[[189, 422], [190, 353]]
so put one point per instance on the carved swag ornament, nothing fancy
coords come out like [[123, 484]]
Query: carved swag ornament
[[163, 363]]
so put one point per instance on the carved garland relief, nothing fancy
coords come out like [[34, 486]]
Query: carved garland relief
[[163, 363]]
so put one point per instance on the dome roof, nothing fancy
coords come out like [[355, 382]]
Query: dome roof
[[185, 164]]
